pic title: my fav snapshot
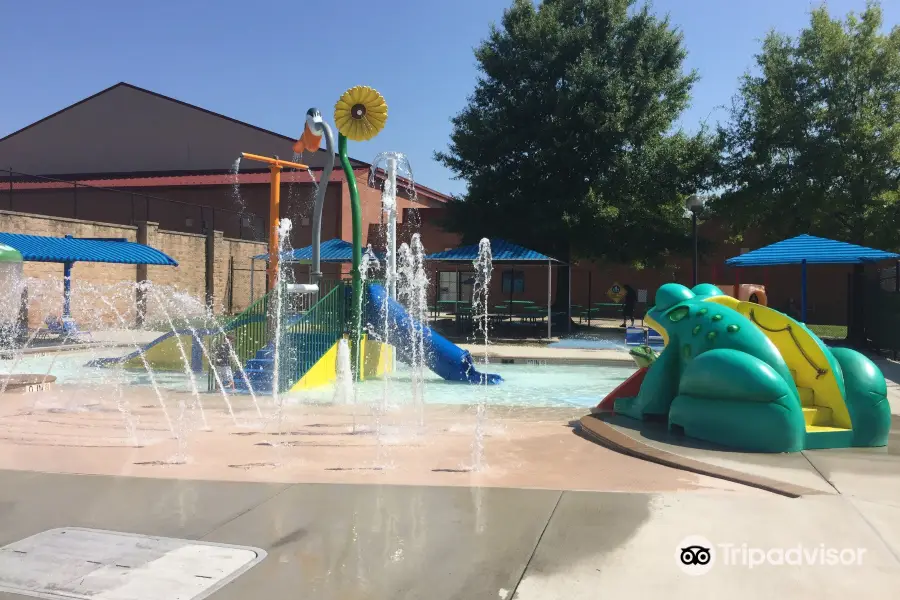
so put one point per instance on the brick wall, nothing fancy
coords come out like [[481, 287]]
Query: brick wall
[[241, 253], [103, 292]]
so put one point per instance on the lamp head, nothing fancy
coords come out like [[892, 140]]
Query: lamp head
[[694, 203]]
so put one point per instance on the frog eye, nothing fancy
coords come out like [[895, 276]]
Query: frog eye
[[677, 314]]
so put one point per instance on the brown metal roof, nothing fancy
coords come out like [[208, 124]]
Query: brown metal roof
[[138, 180]]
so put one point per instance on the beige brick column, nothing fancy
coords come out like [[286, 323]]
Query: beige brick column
[[210, 269], [222, 260], [147, 232]]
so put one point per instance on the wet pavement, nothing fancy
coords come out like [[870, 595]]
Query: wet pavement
[[460, 537], [330, 541]]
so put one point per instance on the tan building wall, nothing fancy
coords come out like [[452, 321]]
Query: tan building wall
[[101, 290]]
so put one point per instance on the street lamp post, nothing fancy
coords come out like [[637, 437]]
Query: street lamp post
[[695, 204]]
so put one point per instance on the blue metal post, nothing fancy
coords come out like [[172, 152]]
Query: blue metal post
[[803, 290], [67, 288], [196, 354]]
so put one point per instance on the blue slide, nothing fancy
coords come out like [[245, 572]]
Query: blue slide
[[441, 355]]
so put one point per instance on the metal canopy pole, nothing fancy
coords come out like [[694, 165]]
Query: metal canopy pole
[[67, 289], [803, 290], [569, 324], [549, 297], [512, 283], [589, 296], [696, 252]]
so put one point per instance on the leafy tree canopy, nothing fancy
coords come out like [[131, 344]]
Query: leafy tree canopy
[[813, 144], [566, 143]]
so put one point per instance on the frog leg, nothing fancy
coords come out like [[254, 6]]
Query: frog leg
[[866, 395], [731, 398], [657, 390]]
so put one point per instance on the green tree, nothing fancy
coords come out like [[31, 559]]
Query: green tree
[[566, 143], [813, 143]]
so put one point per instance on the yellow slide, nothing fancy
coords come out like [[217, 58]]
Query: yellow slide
[[377, 360], [811, 364]]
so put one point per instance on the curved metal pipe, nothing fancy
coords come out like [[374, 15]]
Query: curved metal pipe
[[315, 274]]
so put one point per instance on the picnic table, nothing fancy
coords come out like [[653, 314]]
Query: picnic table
[[454, 305], [514, 308]]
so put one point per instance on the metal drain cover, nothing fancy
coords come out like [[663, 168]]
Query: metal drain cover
[[72, 562]]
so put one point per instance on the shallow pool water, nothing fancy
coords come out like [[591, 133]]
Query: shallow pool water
[[535, 385], [523, 385], [70, 368], [597, 341]]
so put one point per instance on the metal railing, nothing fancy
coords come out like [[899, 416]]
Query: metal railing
[[49, 196], [310, 338], [249, 331], [311, 324]]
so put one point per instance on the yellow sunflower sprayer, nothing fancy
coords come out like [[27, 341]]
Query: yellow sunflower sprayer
[[360, 114]]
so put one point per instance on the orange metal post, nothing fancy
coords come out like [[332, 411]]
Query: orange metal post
[[275, 166], [274, 218], [273, 161]]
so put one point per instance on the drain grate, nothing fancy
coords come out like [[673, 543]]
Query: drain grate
[[72, 562]]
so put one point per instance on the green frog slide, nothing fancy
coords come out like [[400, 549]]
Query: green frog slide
[[751, 378]]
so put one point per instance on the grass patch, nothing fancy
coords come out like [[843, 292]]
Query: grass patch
[[829, 332]]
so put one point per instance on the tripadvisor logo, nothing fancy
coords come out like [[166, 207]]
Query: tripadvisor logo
[[696, 555]]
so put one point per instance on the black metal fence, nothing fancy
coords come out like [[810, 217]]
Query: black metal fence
[[41, 195], [883, 310]]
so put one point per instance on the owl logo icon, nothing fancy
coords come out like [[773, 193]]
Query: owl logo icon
[[695, 555]]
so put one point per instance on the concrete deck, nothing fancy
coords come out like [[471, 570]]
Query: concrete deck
[[425, 527], [80, 430], [348, 541]]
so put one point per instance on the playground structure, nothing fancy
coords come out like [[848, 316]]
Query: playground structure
[[302, 352], [748, 377], [747, 292]]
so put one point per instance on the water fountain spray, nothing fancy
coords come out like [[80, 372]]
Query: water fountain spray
[[284, 232], [418, 307], [481, 313], [393, 163], [186, 365]]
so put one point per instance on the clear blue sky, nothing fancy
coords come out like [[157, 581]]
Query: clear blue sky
[[267, 67]]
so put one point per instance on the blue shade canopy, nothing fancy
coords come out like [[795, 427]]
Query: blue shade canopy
[[39, 248], [501, 250], [334, 250], [813, 250]]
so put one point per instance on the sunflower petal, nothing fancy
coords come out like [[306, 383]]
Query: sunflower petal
[[354, 129], [376, 119]]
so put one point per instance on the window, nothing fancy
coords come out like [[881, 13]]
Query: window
[[455, 286], [513, 282]]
